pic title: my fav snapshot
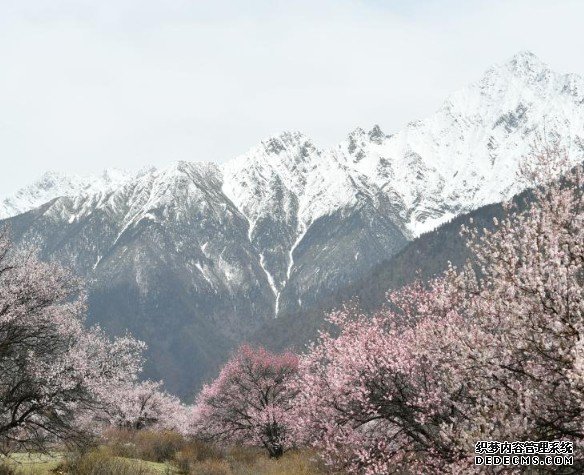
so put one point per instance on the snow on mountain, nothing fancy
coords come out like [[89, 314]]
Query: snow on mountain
[[181, 208], [466, 154], [315, 177], [463, 156], [282, 186], [52, 185]]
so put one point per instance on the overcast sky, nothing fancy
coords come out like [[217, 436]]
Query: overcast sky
[[88, 84]]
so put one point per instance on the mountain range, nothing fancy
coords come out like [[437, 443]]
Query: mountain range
[[197, 257]]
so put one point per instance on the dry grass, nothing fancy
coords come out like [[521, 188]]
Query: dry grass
[[100, 461], [144, 445], [147, 452], [248, 461], [188, 456]]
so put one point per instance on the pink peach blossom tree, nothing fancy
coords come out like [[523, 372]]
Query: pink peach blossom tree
[[249, 402], [374, 392]]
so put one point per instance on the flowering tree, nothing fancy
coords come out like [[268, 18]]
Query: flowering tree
[[528, 311], [52, 369], [249, 401], [372, 399], [491, 351], [145, 405]]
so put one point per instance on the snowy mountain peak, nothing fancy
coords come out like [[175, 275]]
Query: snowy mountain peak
[[288, 141], [357, 133], [359, 139], [114, 175], [51, 178], [524, 67], [526, 74], [376, 134], [180, 168], [526, 63]]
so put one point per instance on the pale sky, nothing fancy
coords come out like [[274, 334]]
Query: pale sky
[[87, 84]]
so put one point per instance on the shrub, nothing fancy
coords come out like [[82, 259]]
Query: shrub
[[154, 446], [239, 455], [292, 463], [212, 467], [158, 446], [193, 453], [6, 470]]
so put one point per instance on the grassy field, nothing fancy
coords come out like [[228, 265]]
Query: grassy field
[[51, 464], [151, 453], [32, 464]]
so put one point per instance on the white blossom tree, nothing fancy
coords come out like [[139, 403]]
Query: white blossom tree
[[52, 369], [146, 405]]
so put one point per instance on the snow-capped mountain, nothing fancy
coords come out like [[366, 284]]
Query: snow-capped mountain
[[196, 257], [52, 185], [466, 154], [463, 156]]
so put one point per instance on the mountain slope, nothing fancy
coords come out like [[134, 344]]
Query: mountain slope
[[423, 258], [167, 257]]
